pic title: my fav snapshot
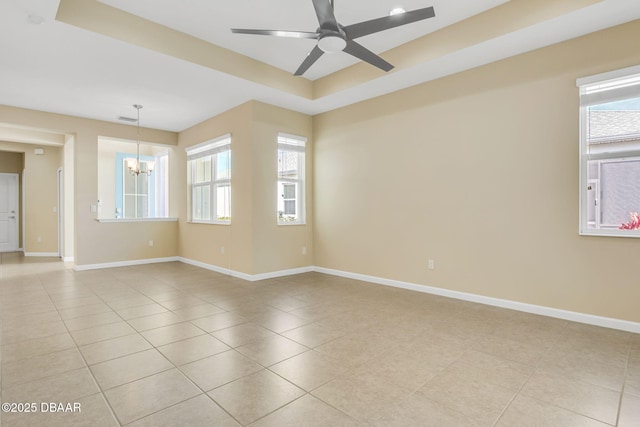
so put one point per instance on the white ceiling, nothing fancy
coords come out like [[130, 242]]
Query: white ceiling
[[60, 68]]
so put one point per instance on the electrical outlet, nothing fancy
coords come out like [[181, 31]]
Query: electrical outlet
[[150, 242], [39, 239], [431, 264], [304, 250], [222, 250]]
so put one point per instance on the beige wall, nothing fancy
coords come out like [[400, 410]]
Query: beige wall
[[41, 202], [478, 171], [100, 242], [253, 243]]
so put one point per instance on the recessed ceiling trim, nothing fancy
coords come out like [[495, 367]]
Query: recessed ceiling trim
[[112, 22]]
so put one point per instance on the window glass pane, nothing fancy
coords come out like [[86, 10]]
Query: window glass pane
[[289, 191], [617, 121], [289, 207], [130, 206], [223, 200], [288, 164], [143, 184], [142, 206], [620, 184], [223, 165], [202, 203], [203, 169], [129, 182]]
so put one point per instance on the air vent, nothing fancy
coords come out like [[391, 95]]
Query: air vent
[[128, 119]]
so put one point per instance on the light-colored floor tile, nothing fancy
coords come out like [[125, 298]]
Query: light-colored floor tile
[[417, 410], [219, 321], [155, 321], [352, 349], [220, 369], [113, 348], [404, 370], [38, 367], [64, 387], [527, 412], [313, 335], [488, 369], [309, 412], [381, 356], [141, 311], [255, 395], [41, 330], [629, 411], [242, 334], [198, 311], [590, 400], [517, 351], [172, 333], [271, 350], [86, 310], [102, 333], [115, 372], [152, 394], [119, 304], [462, 393], [36, 347], [183, 302], [193, 349], [92, 320], [93, 411], [309, 370], [279, 322], [580, 367], [199, 411], [363, 399]]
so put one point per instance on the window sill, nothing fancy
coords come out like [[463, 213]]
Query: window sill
[[210, 222], [610, 233], [286, 224], [107, 220]]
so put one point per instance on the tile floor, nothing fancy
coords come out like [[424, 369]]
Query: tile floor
[[175, 345]]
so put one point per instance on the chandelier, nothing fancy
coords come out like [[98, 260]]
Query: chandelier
[[136, 167]]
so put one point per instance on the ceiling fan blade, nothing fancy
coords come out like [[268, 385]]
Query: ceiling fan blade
[[387, 22], [366, 55], [277, 33], [311, 58], [326, 17]]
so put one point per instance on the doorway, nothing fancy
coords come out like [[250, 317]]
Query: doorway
[[9, 215]]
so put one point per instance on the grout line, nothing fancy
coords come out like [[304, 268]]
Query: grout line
[[624, 382]]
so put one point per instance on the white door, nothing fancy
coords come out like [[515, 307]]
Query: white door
[[8, 212]]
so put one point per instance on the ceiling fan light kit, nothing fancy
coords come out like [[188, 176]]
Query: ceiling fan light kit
[[333, 37]]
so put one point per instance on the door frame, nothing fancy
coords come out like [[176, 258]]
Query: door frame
[[16, 195]]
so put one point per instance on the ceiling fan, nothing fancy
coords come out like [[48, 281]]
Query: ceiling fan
[[334, 37]]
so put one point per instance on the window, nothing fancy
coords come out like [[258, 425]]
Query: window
[[610, 153], [291, 177], [209, 177], [141, 196]]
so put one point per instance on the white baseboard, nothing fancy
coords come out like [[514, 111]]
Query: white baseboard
[[606, 322], [85, 267], [67, 259], [245, 276], [206, 266], [44, 254], [573, 316]]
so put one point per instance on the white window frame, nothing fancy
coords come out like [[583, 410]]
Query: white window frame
[[210, 148], [296, 144], [599, 89]]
